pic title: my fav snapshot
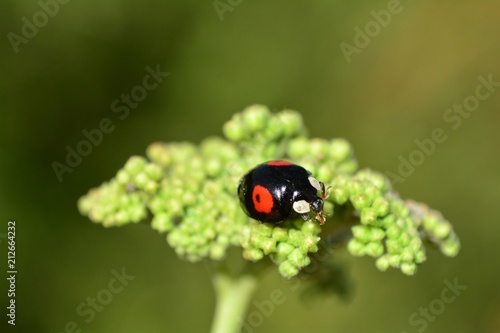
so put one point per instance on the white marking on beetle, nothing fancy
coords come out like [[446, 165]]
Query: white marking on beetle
[[315, 183], [301, 207]]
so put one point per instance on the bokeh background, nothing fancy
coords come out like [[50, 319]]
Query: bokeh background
[[284, 54]]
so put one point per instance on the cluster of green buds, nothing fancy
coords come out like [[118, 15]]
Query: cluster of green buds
[[189, 193]]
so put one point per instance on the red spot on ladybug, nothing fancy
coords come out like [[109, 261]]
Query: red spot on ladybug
[[279, 163], [262, 199]]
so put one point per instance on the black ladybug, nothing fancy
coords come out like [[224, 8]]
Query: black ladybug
[[273, 191]]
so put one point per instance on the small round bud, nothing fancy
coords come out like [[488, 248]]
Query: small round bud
[[292, 122], [368, 216], [287, 269], [234, 130], [339, 195], [382, 263], [340, 149], [298, 147], [255, 117], [450, 248], [382, 206], [360, 201], [374, 249], [284, 249], [442, 230], [135, 164], [280, 234], [356, 248], [408, 268], [310, 228], [253, 254]]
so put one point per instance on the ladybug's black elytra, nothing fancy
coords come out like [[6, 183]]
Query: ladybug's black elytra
[[273, 191]]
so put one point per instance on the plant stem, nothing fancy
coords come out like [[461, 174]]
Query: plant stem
[[233, 295]]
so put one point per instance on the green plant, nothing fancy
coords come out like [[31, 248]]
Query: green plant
[[188, 192]]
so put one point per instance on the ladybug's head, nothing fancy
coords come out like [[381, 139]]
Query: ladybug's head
[[317, 205]]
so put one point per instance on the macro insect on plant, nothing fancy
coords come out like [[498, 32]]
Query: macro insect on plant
[[272, 192]]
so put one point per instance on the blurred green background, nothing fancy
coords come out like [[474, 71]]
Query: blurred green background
[[282, 54]]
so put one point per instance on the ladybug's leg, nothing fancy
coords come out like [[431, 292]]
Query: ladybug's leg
[[321, 218], [305, 217]]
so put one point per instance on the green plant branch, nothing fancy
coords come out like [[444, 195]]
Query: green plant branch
[[233, 295]]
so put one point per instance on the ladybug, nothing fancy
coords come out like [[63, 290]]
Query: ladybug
[[273, 191]]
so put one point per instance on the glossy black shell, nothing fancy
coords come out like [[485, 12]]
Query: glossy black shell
[[286, 183]]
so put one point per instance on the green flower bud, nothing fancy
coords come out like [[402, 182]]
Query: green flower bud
[[280, 234], [141, 179], [162, 222], [287, 269], [309, 244], [298, 147], [356, 248], [253, 254], [318, 148], [442, 230], [339, 195], [394, 260], [420, 257], [376, 234], [368, 216], [265, 229], [400, 208], [325, 172], [393, 246], [431, 221], [153, 171], [159, 154], [122, 176], [295, 237], [340, 149], [408, 268], [234, 130], [450, 248], [310, 228], [268, 245], [213, 167], [374, 249], [362, 233], [273, 130], [382, 206], [360, 201], [298, 258], [256, 117], [348, 166], [355, 187], [283, 250], [382, 263], [405, 239], [135, 164], [292, 122], [407, 255], [217, 252]]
